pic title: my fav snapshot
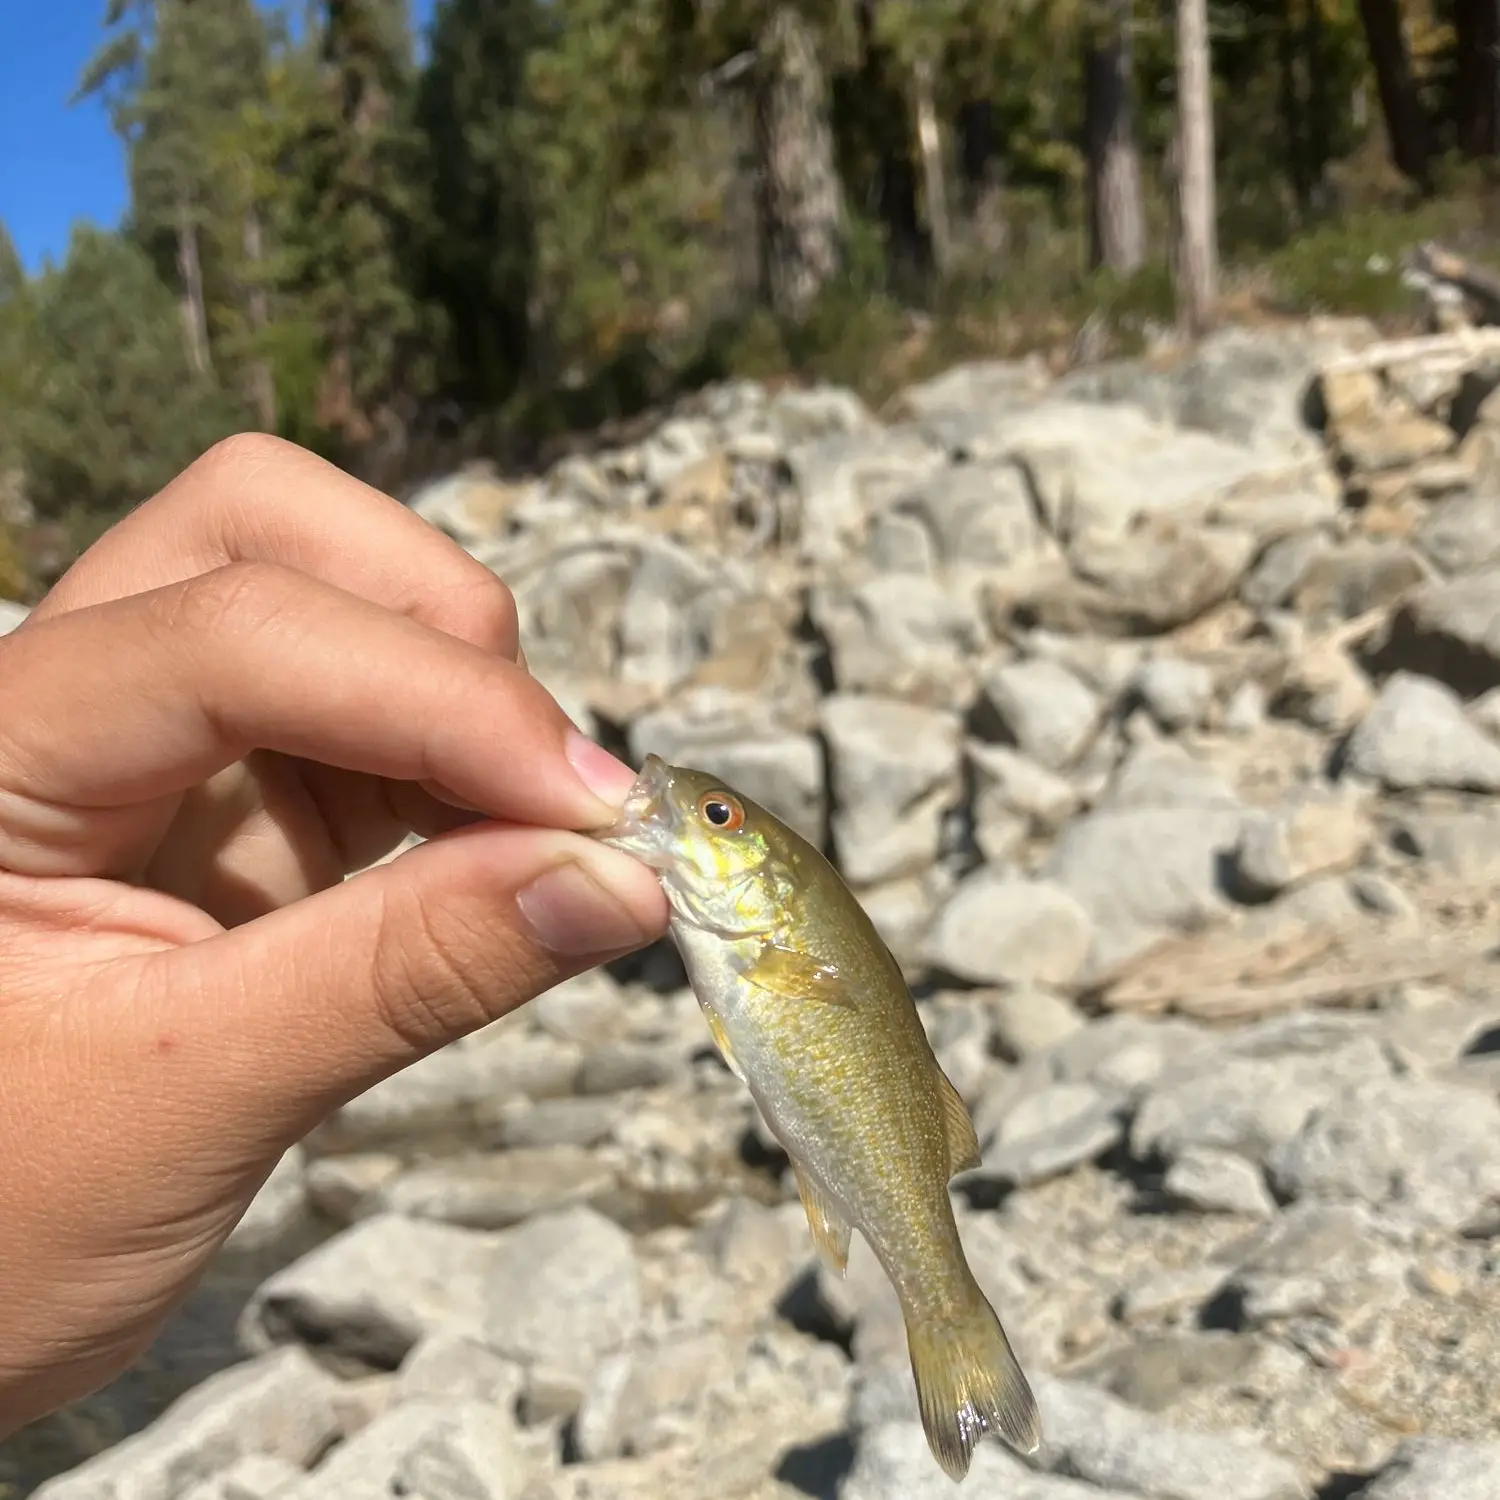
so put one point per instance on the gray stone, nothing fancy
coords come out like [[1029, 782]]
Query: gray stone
[[11, 615], [1008, 784], [280, 1406], [1463, 844], [893, 1462], [1416, 735], [1280, 568], [373, 1291], [453, 1449], [1358, 575], [997, 929], [279, 1206], [1219, 1182], [1176, 693], [631, 1394], [1028, 1020], [899, 633], [1304, 836], [895, 770], [1157, 1371], [1462, 533], [586, 1009], [1094, 1436], [1162, 774], [257, 1476], [1050, 1132], [495, 1191], [1166, 1293], [1247, 1105], [1431, 1150], [342, 1186], [1426, 1468], [1450, 631], [1141, 872], [555, 1122], [564, 1290], [615, 1067], [451, 1367], [1043, 708]]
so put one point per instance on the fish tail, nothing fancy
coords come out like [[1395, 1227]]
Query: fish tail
[[968, 1385]]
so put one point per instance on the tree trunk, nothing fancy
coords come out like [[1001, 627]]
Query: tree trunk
[[930, 144], [1476, 25], [194, 310], [1293, 119], [801, 196], [982, 178], [1117, 221], [1198, 253], [1405, 123], [1318, 115], [260, 383]]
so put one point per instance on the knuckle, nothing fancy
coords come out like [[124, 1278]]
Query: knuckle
[[437, 979], [242, 451], [237, 598]]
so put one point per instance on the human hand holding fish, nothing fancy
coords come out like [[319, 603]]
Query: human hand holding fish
[[809, 1009]]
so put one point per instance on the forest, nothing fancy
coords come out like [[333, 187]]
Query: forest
[[540, 215]]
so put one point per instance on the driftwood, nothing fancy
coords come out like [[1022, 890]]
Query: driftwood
[[1478, 285], [1457, 349]]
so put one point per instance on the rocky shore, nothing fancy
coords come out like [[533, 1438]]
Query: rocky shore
[[1154, 713]]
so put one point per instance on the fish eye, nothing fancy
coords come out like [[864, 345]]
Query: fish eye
[[721, 811]]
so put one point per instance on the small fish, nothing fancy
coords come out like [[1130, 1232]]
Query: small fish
[[808, 1008]]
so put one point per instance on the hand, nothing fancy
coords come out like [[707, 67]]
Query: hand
[[257, 682]]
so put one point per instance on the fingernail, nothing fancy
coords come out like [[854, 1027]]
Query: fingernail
[[607, 778], [571, 911]]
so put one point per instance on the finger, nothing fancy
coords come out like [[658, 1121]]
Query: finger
[[255, 498], [120, 708], [268, 1028]]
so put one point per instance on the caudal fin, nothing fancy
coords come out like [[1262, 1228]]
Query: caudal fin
[[968, 1385]]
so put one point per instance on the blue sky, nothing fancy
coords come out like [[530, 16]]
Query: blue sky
[[58, 163]]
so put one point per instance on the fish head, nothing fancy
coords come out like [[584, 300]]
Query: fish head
[[712, 848]]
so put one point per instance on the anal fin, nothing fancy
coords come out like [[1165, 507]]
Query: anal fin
[[830, 1230], [958, 1127]]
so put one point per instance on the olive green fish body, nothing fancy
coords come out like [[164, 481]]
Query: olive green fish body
[[809, 1008]]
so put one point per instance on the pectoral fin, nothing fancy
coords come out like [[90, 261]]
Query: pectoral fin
[[797, 976], [958, 1126], [721, 1042], [830, 1230]]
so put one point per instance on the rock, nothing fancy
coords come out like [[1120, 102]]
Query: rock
[[899, 634], [277, 1208], [450, 1367], [1176, 693], [749, 1243], [1048, 1133], [618, 1066], [342, 1186], [1218, 1182], [1042, 708], [996, 929], [1305, 836], [1281, 567], [1167, 1292], [1423, 1468], [11, 615], [1096, 1437], [895, 771], [1140, 872], [1156, 1371], [1428, 1149], [279, 1406], [422, 1448], [495, 1191], [1461, 534], [1028, 1020], [1008, 785], [257, 1476], [586, 1009], [1464, 845], [633, 1397], [1360, 575], [727, 735], [1416, 735], [555, 1122], [373, 1291], [1448, 630], [1247, 1104], [894, 1462], [1148, 583], [563, 1291]]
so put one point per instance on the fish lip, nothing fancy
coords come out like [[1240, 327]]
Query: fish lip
[[647, 820]]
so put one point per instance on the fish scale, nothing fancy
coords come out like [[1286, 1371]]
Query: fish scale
[[809, 1009]]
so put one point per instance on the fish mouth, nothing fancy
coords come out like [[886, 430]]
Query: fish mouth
[[647, 825]]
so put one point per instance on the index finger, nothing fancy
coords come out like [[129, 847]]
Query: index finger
[[127, 703], [256, 498]]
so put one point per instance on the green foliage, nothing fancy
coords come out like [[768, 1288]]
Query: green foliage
[[117, 411]]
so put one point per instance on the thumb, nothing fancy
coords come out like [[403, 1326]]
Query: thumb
[[289, 1016]]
